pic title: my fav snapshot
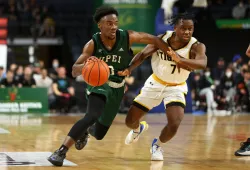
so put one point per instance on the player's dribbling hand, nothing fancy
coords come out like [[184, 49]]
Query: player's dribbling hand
[[92, 58], [174, 55], [125, 72]]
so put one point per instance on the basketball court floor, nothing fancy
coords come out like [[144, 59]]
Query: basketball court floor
[[201, 143]]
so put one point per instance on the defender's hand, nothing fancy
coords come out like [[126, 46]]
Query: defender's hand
[[125, 72], [174, 55]]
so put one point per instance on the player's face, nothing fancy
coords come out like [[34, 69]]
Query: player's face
[[184, 30], [108, 26]]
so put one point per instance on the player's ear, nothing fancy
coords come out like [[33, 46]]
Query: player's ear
[[175, 27], [99, 25]]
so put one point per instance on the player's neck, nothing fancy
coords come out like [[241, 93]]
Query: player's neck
[[108, 42]]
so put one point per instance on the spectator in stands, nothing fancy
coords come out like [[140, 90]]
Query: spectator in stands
[[13, 14], [237, 64], [27, 80], [44, 13], [247, 80], [48, 27], [195, 86], [13, 67], [41, 63], [37, 71], [226, 90], [53, 70], [206, 86], [36, 28], [242, 102], [19, 73], [218, 71], [37, 68], [2, 73], [9, 81], [36, 11], [26, 11], [45, 81], [64, 92], [239, 11], [237, 61]]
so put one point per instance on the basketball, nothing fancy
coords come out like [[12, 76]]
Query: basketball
[[95, 72]]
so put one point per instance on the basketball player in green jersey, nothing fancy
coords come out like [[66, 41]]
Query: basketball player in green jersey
[[244, 149], [111, 45]]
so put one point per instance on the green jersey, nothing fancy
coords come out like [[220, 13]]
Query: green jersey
[[118, 58]]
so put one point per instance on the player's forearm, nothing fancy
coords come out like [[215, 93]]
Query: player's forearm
[[136, 61], [161, 45], [194, 64], [77, 69], [79, 64]]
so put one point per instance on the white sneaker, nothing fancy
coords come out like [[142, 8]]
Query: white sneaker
[[156, 165], [133, 137], [156, 151]]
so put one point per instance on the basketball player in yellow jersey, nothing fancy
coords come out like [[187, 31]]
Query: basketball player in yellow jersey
[[244, 149], [167, 83]]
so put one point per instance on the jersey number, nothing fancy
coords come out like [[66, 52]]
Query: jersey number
[[174, 67], [111, 70]]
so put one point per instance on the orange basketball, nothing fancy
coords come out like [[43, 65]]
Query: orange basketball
[[95, 72]]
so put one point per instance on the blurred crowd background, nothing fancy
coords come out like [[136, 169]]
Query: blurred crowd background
[[222, 25]]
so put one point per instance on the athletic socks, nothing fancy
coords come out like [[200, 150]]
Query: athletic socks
[[63, 149]]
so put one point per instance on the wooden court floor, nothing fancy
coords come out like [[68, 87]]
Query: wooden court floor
[[201, 143]]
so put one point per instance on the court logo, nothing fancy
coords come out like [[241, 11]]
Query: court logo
[[28, 159], [7, 160]]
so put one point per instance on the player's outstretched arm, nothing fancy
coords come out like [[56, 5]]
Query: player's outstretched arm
[[88, 50], [141, 56], [198, 58], [248, 51], [138, 59], [144, 38]]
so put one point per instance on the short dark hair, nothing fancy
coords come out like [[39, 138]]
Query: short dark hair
[[43, 68], [1, 67], [184, 16], [10, 71], [103, 11]]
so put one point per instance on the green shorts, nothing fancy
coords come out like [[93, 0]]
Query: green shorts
[[113, 99]]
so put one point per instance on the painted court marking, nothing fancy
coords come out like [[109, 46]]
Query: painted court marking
[[28, 159]]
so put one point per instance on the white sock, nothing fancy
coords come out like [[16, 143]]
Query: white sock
[[137, 130], [159, 143]]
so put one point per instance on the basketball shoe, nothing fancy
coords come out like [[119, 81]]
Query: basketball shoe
[[57, 158], [133, 137], [244, 149], [156, 151], [82, 141]]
